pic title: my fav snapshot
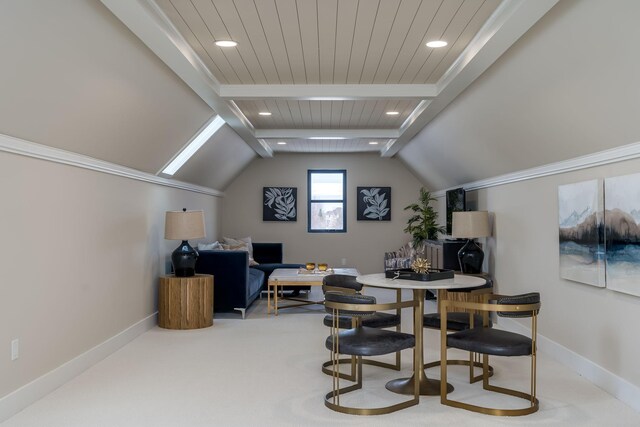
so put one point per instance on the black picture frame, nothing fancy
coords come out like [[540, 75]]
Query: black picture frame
[[374, 203], [280, 204]]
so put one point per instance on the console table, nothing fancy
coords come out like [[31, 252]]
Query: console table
[[185, 302]]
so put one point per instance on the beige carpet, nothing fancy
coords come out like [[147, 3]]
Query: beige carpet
[[265, 371]]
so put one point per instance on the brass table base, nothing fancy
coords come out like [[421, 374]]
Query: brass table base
[[428, 387]]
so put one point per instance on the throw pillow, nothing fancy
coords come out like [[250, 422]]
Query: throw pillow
[[209, 246], [235, 241], [240, 247]]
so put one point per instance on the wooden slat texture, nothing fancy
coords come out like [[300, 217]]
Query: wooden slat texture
[[328, 42], [185, 302]]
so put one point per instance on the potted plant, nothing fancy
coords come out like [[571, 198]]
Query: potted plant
[[423, 224]]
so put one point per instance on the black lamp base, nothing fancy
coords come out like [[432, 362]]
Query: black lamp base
[[184, 260], [471, 257]]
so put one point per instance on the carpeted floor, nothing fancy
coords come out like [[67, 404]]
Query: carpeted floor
[[265, 371]]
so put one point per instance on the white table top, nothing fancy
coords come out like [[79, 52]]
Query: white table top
[[292, 274], [459, 281]]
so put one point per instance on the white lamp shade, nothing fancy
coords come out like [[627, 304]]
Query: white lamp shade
[[184, 225], [471, 224]]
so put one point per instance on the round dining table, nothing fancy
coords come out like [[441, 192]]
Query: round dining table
[[428, 387]]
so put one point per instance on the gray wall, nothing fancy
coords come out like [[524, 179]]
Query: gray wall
[[569, 87], [81, 258], [598, 324], [364, 243]]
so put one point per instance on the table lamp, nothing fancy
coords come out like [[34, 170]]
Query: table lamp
[[470, 225], [184, 225]]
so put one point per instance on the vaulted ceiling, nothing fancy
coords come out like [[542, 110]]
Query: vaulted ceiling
[[328, 71]]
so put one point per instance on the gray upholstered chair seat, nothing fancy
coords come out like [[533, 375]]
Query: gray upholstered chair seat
[[490, 341], [376, 320], [456, 321], [365, 341]]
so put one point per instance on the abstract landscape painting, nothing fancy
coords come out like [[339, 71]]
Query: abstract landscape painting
[[580, 217], [622, 215]]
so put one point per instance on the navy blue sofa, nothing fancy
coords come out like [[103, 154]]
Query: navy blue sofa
[[236, 285]]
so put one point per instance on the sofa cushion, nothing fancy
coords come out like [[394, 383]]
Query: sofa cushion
[[209, 246], [255, 280]]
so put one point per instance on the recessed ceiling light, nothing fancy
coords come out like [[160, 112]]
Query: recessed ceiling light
[[264, 113], [392, 113], [437, 43], [373, 142], [226, 43], [282, 143], [327, 137]]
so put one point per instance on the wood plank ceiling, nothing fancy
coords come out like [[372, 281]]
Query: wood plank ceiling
[[330, 68]]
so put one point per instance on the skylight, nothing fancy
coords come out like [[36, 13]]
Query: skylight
[[194, 145]]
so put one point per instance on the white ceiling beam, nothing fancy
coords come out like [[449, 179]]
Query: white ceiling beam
[[150, 24], [326, 133], [508, 23], [329, 92]]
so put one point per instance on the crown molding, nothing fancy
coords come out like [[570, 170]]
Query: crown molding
[[613, 155], [21, 147]]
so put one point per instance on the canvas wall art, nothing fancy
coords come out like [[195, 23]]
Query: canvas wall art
[[374, 203], [279, 204], [622, 216], [581, 232]]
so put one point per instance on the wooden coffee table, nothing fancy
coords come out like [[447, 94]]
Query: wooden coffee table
[[297, 277]]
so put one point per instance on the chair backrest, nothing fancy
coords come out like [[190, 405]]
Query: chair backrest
[[340, 283], [529, 298], [335, 299]]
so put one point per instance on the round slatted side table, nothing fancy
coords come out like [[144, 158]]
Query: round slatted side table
[[185, 302]]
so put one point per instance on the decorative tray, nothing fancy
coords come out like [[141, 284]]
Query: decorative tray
[[408, 274]]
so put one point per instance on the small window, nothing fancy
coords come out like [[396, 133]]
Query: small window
[[326, 192]]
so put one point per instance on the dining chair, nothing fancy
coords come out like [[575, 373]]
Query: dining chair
[[460, 321], [362, 341], [496, 342], [343, 283]]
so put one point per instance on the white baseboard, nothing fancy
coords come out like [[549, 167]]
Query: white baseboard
[[620, 388], [16, 401]]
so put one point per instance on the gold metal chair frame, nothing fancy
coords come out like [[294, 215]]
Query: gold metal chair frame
[[332, 399], [352, 376], [487, 307], [474, 360]]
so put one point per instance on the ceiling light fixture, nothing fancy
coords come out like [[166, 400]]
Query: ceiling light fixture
[[373, 142], [327, 137], [282, 143], [226, 43], [392, 113], [264, 113], [436, 43], [194, 145]]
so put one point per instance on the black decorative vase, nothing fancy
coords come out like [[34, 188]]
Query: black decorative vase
[[184, 260], [471, 258]]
